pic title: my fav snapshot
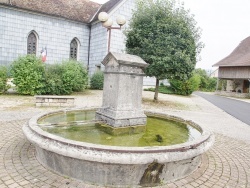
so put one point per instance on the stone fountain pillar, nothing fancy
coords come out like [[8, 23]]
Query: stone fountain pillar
[[122, 92]]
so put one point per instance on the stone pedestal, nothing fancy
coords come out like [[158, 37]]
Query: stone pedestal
[[122, 92]]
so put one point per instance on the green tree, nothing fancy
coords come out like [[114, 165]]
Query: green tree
[[166, 37], [206, 83]]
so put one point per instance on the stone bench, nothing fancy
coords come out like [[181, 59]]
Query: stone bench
[[53, 100]]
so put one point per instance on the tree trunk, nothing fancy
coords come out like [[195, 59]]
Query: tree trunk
[[156, 89]]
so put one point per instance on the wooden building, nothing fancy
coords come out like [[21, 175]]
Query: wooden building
[[235, 68]]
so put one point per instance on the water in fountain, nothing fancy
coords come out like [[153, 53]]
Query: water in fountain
[[81, 126]]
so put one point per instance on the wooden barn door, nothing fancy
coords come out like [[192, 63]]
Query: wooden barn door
[[246, 86]]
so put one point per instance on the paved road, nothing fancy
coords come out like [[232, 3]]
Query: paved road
[[236, 108]]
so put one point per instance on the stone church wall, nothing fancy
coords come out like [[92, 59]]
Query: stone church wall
[[52, 32], [56, 33], [98, 47]]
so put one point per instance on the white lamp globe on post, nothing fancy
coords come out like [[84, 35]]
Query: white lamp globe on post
[[108, 22], [103, 16], [120, 20]]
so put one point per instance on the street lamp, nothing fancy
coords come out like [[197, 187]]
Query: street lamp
[[108, 22]]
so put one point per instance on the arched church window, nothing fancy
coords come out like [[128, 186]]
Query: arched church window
[[73, 49], [31, 43]]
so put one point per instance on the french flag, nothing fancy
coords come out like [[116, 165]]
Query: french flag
[[44, 54]]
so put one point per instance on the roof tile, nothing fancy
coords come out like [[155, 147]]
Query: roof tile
[[78, 10]]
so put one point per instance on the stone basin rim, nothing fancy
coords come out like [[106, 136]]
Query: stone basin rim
[[205, 136]]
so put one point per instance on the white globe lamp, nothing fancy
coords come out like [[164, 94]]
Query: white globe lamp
[[120, 20], [103, 16], [108, 23]]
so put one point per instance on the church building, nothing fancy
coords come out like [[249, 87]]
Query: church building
[[60, 29]]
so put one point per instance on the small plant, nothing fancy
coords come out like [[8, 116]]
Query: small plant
[[3, 79], [159, 138], [28, 75], [96, 81]]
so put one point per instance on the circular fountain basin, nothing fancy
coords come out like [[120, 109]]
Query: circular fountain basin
[[117, 166]]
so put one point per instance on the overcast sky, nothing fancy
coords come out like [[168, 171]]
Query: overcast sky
[[224, 24]]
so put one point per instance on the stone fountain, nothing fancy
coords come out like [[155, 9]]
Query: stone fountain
[[118, 166], [122, 92]]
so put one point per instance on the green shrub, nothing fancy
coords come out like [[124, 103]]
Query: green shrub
[[65, 78], [206, 83], [53, 79], [28, 75], [186, 87], [194, 82], [3, 79], [75, 76], [96, 81], [212, 82], [32, 77]]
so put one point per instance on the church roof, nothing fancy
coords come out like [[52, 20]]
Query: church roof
[[78, 10], [239, 57]]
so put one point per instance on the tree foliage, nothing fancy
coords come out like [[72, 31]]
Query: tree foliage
[[166, 37], [206, 83]]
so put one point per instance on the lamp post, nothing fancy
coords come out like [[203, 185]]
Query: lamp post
[[108, 22]]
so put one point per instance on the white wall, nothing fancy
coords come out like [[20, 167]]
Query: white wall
[[55, 33], [118, 41], [98, 46]]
